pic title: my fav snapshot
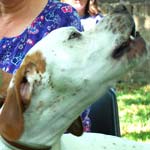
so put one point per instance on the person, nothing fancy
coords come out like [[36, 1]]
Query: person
[[23, 24], [90, 14], [88, 10]]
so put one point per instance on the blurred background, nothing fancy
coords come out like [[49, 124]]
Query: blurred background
[[133, 90]]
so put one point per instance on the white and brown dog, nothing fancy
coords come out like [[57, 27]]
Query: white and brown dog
[[61, 76]]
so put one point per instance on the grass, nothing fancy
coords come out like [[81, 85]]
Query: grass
[[134, 111]]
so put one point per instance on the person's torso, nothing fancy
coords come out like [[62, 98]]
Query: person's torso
[[53, 16]]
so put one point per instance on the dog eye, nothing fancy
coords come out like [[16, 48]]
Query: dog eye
[[74, 35]]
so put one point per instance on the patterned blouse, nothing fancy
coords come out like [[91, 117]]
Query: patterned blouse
[[53, 16]]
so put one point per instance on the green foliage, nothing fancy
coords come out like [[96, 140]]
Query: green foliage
[[134, 111]]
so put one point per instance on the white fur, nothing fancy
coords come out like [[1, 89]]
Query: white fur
[[94, 141]]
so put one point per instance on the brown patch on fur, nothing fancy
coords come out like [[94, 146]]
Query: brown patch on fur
[[11, 117], [5, 77], [36, 59]]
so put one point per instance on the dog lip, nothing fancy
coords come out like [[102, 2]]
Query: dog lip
[[134, 46], [118, 52]]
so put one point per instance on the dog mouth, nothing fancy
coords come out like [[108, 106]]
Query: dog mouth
[[134, 45], [121, 50]]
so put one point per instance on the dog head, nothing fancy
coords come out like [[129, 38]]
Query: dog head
[[63, 74]]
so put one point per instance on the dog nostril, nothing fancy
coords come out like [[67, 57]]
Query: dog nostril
[[117, 53]]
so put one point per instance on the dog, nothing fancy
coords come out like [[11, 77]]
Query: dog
[[62, 75]]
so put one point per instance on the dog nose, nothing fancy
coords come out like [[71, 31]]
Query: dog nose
[[120, 9]]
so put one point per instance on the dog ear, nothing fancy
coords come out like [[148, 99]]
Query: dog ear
[[18, 97], [11, 119], [76, 127]]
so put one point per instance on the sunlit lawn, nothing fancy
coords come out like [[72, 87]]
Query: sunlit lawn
[[134, 111]]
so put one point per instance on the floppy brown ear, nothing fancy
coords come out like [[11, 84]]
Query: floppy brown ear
[[11, 119], [18, 96], [76, 128]]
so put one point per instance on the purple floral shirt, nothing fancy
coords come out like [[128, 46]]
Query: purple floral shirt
[[53, 16]]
